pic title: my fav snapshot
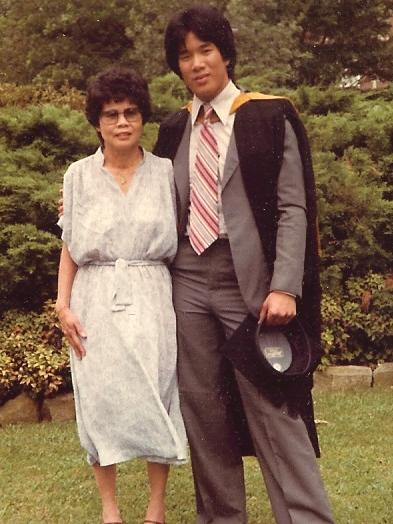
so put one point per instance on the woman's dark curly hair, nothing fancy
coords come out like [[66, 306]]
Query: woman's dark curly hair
[[209, 25], [117, 84]]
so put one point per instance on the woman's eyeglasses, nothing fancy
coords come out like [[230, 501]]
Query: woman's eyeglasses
[[111, 117]]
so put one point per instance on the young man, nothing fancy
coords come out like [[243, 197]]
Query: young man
[[246, 212]]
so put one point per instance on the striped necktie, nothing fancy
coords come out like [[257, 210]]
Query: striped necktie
[[204, 222]]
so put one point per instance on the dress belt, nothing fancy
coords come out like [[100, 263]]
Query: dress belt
[[122, 294]]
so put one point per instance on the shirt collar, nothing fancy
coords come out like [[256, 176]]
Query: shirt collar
[[221, 104], [99, 156]]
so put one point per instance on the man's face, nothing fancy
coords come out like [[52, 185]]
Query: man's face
[[202, 68]]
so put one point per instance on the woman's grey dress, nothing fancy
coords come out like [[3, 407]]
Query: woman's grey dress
[[126, 394]]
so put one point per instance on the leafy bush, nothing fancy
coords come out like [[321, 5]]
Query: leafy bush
[[8, 376], [358, 324], [33, 357], [357, 329], [25, 95]]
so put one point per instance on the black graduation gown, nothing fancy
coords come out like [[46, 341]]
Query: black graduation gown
[[259, 129]]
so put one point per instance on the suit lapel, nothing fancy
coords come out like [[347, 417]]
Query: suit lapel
[[181, 169], [231, 161]]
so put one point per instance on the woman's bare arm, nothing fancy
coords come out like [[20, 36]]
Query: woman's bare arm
[[69, 322]]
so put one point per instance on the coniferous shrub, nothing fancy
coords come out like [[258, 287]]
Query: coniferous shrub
[[168, 94], [317, 101], [354, 216], [38, 144], [351, 135]]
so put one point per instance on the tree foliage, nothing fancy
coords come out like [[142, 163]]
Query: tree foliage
[[146, 23], [351, 37], [65, 41], [267, 37], [287, 41]]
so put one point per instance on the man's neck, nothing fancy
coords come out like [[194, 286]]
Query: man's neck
[[216, 95], [221, 103]]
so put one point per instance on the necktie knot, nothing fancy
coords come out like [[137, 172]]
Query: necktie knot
[[208, 111]]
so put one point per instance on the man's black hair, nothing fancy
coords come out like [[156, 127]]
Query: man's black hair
[[209, 25]]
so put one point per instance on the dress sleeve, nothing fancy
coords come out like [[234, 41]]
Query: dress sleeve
[[173, 220], [171, 178], [65, 221]]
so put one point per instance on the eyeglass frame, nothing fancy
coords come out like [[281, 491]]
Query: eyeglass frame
[[133, 113]]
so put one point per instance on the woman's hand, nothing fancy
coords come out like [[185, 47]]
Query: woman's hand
[[73, 330]]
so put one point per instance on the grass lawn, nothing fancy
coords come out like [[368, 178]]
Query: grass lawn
[[44, 478]]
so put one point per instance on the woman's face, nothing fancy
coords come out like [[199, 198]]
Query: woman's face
[[120, 125]]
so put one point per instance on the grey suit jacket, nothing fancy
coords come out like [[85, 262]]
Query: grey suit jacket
[[249, 261]]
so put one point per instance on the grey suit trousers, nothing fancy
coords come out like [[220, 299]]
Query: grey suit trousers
[[209, 308]]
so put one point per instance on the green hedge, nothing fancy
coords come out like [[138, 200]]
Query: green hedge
[[357, 329], [351, 136]]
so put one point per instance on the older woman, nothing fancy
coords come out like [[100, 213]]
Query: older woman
[[114, 295]]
